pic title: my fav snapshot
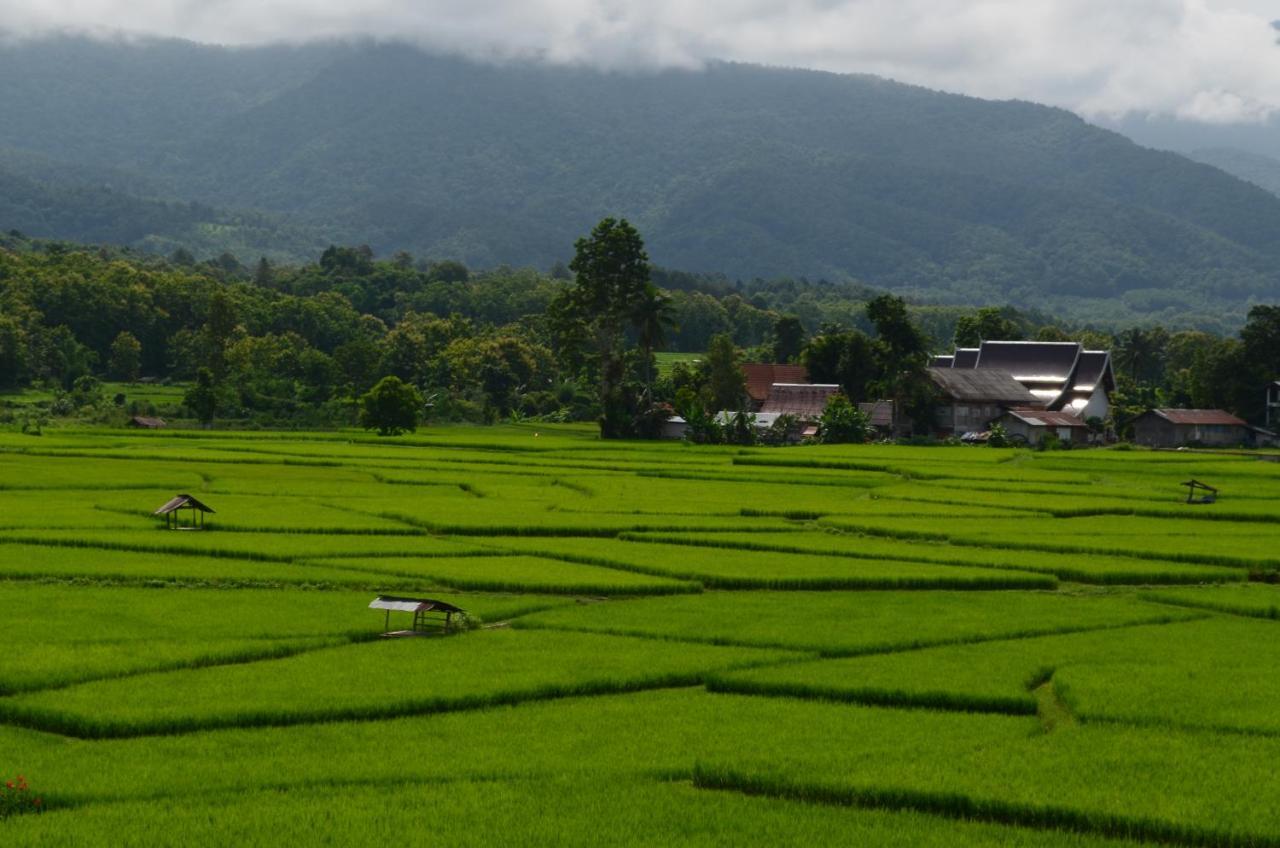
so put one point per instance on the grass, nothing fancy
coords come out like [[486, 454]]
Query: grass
[[852, 623], [374, 680], [868, 644], [728, 569]]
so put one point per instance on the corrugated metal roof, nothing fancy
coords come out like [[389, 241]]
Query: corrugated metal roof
[[984, 385], [1200, 416], [762, 375], [147, 422], [182, 502], [803, 400], [1045, 418], [396, 604]]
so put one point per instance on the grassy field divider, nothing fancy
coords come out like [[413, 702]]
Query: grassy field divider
[[83, 727], [956, 805], [514, 586], [242, 656], [1044, 547], [869, 650], [717, 581], [1112, 578], [871, 696], [1271, 613], [1172, 510]]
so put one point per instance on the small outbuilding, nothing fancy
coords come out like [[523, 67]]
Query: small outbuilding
[[426, 613], [1172, 428], [147, 423], [1030, 426], [172, 512]]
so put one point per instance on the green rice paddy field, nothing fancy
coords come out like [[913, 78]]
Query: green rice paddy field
[[665, 645]]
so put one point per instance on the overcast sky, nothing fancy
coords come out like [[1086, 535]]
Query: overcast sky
[[1208, 60]]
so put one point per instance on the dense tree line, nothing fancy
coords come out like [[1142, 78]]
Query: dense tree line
[[302, 344]]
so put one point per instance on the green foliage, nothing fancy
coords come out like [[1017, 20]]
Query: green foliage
[[202, 398], [842, 422], [126, 357], [726, 384], [391, 407]]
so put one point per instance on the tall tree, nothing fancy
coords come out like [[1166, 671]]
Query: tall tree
[[988, 323], [788, 339], [726, 383], [902, 354], [126, 357], [611, 274], [653, 316], [202, 398]]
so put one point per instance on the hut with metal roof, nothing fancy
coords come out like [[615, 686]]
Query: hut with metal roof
[[1171, 428], [429, 614], [172, 512], [1030, 426], [970, 399]]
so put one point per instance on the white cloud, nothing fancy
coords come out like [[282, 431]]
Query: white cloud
[[1207, 60]]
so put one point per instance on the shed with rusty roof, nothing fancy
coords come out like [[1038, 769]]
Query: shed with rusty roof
[[805, 401], [763, 376], [1171, 428]]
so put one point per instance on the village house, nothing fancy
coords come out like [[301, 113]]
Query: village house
[[1030, 426], [763, 376], [1273, 405], [969, 399], [1062, 376], [1171, 428]]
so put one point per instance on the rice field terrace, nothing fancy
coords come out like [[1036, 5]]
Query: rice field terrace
[[662, 644]]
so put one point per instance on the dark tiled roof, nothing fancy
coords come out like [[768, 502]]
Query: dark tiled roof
[[942, 361], [762, 375], [803, 400], [965, 357], [1199, 416], [1049, 362], [984, 385]]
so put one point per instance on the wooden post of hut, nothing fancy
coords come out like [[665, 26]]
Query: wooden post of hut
[[1210, 494], [173, 516]]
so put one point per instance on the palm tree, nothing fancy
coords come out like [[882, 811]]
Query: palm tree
[[652, 317]]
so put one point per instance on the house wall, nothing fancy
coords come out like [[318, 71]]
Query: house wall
[[960, 418], [1158, 433], [1098, 406], [1155, 432]]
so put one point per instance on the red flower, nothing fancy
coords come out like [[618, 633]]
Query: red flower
[[37, 802]]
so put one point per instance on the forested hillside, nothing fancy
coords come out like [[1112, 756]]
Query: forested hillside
[[741, 170]]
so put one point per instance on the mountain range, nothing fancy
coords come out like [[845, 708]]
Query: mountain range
[[744, 170]]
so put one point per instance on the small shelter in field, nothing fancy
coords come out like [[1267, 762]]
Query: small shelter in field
[[1210, 493], [172, 512], [425, 611], [146, 423]]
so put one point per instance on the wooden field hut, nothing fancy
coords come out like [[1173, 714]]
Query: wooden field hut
[[426, 612], [196, 511], [144, 422]]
